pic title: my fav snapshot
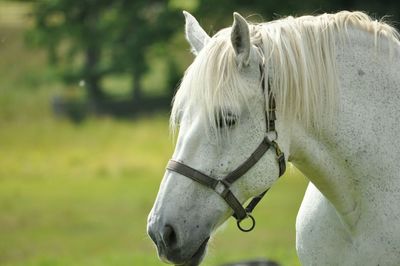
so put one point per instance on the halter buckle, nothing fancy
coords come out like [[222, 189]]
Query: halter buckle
[[222, 188], [280, 157], [278, 151]]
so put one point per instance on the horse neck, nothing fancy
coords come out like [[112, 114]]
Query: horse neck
[[324, 166], [345, 159]]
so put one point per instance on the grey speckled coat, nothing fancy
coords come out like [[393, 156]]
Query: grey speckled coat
[[350, 214]]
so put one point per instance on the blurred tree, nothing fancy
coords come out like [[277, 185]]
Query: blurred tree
[[135, 26], [74, 36], [220, 14], [89, 39]]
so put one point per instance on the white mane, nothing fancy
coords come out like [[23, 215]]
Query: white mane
[[300, 63]]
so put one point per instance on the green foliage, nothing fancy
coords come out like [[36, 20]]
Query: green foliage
[[90, 40], [216, 15], [94, 39]]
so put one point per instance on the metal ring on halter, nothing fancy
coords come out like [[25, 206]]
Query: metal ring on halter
[[274, 135], [253, 224]]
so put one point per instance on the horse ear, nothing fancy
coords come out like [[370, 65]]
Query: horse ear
[[240, 38], [195, 34]]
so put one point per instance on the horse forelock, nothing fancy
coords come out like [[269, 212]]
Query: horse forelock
[[211, 85], [299, 62]]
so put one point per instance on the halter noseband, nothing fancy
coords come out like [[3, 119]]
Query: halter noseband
[[222, 186]]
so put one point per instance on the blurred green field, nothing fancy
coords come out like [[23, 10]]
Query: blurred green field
[[80, 194]]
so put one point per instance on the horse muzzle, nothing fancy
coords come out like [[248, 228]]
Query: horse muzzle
[[174, 245]]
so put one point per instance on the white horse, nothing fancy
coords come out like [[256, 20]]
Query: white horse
[[336, 80]]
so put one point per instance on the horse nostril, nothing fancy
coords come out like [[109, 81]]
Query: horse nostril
[[169, 236]]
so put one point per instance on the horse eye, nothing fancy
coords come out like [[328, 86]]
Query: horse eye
[[228, 121]]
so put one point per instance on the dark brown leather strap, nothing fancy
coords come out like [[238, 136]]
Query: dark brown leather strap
[[238, 211], [192, 173], [254, 201], [282, 168], [250, 162], [221, 187]]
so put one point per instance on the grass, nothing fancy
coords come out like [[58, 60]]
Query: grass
[[80, 195]]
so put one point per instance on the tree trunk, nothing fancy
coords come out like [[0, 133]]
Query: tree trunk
[[136, 86], [92, 77], [93, 57]]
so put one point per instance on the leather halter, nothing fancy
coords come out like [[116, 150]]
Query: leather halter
[[222, 185]]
